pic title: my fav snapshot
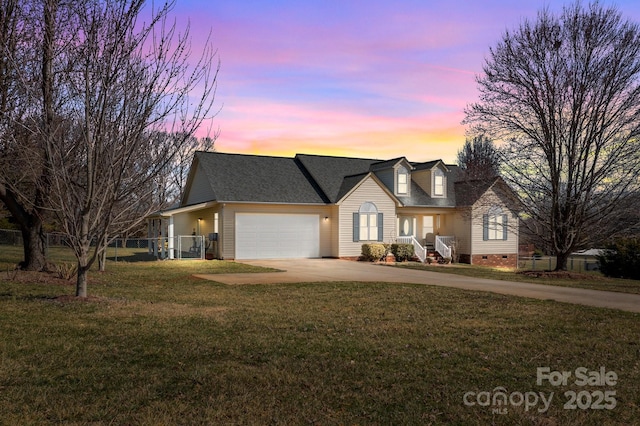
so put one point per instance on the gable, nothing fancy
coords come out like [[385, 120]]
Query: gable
[[198, 188], [330, 173], [364, 184], [424, 176], [479, 192]]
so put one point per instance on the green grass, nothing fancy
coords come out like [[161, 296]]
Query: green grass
[[156, 346], [589, 280]]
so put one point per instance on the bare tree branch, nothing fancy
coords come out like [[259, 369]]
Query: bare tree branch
[[562, 95]]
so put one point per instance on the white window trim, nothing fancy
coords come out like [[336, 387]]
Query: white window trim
[[439, 189], [496, 225], [402, 188], [368, 217]]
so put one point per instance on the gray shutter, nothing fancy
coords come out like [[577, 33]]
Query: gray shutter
[[380, 228], [356, 227], [485, 227], [504, 227]]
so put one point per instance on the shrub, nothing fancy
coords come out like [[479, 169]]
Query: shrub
[[373, 252], [402, 252], [621, 259], [66, 271]]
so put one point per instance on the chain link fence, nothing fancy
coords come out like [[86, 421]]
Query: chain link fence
[[140, 249], [128, 249], [548, 263]]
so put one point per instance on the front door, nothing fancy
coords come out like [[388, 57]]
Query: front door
[[427, 229], [406, 226]]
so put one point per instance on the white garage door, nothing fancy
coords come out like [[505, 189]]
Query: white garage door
[[277, 236]]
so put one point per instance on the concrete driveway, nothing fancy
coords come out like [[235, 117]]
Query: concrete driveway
[[323, 270]]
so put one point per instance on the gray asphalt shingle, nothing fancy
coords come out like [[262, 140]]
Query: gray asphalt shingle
[[304, 179]]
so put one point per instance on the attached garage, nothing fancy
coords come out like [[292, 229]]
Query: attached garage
[[277, 236]]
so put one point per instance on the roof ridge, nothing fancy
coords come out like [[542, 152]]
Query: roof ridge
[[339, 156]]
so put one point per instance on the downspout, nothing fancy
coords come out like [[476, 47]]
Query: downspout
[[170, 237]]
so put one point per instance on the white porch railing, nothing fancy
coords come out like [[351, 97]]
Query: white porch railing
[[443, 245], [421, 252]]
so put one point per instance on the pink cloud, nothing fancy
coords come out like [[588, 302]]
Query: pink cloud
[[352, 78]]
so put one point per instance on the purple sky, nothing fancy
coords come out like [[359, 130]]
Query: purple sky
[[355, 78]]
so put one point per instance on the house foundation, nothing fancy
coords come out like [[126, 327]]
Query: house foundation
[[493, 260]]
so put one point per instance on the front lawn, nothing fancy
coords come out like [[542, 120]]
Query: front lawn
[[156, 346]]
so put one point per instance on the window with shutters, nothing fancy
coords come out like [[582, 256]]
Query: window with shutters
[[494, 224], [367, 223]]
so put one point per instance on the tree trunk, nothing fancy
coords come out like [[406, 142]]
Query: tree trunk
[[102, 259], [83, 269], [81, 282], [33, 239], [34, 245], [561, 261]]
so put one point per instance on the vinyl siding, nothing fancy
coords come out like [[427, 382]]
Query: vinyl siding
[[227, 225], [462, 231], [478, 245], [200, 190], [370, 191]]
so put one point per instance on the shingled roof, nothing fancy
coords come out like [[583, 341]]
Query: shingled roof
[[332, 173], [468, 192], [262, 179], [304, 179]]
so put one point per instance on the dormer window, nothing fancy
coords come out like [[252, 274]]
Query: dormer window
[[438, 183], [403, 181]]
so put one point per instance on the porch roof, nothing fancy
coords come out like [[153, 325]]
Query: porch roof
[[161, 214]]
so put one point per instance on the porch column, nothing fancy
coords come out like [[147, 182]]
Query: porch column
[[163, 254], [170, 237], [155, 238], [150, 246]]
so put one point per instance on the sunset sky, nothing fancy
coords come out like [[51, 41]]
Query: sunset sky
[[370, 78]]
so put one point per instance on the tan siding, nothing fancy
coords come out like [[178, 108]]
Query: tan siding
[[228, 232], [370, 191], [334, 223], [200, 190], [478, 245], [462, 231]]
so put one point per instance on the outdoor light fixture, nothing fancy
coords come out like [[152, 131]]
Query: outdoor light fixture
[[326, 218]]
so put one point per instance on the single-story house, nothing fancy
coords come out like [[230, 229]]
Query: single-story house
[[311, 206]]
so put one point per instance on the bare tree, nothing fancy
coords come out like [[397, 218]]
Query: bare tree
[[478, 159], [172, 180], [114, 81], [167, 186], [22, 172], [562, 95]]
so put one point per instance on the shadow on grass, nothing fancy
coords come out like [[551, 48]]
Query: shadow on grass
[[136, 257]]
